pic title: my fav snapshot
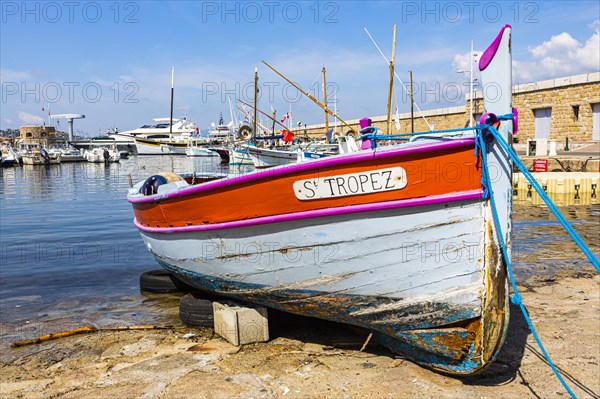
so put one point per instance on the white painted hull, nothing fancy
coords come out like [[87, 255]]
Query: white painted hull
[[97, 155], [158, 148], [410, 256], [266, 158], [37, 159], [200, 152], [239, 157]]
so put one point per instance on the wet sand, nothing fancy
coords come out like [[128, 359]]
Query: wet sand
[[308, 358]]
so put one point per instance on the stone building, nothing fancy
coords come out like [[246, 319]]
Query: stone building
[[553, 109], [36, 134]]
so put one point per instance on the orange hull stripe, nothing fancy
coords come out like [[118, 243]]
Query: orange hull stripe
[[428, 174]]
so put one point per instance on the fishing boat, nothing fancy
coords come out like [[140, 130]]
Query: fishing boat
[[263, 157], [239, 156], [197, 148], [399, 240], [162, 145]]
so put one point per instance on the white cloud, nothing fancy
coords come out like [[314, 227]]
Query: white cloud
[[8, 75], [561, 55], [8, 121], [30, 118]]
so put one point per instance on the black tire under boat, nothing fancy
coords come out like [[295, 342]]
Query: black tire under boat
[[161, 282], [196, 311]]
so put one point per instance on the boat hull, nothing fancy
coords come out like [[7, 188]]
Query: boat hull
[[417, 263], [239, 157], [267, 158], [200, 152], [157, 147], [38, 159]]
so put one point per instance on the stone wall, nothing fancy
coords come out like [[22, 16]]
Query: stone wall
[[36, 134], [559, 94]]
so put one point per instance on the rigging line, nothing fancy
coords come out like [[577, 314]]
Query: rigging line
[[397, 77]]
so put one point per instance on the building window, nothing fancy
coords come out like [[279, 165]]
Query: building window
[[575, 112], [596, 121], [28, 134], [543, 121], [42, 134]]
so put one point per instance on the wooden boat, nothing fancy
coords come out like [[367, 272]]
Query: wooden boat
[[197, 148], [238, 156], [161, 146], [263, 157], [399, 241]]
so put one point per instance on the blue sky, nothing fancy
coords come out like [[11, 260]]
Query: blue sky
[[112, 60]]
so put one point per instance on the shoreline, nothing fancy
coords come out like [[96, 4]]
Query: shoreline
[[308, 358]]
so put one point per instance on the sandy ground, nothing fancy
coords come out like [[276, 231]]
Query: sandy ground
[[313, 359]]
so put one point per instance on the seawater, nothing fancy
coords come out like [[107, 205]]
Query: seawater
[[71, 257]]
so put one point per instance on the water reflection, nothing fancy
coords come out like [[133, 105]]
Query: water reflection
[[70, 254]]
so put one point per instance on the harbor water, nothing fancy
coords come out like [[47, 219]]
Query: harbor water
[[70, 255]]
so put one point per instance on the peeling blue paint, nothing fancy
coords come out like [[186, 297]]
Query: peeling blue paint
[[402, 330]]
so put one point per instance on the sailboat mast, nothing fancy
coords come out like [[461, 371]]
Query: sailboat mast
[[391, 90], [265, 114], [172, 93], [325, 100], [255, 101], [412, 102]]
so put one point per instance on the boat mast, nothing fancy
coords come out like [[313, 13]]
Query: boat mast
[[172, 92], [412, 109], [258, 123], [255, 101], [312, 98], [325, 100], [391, 90], [265, 114]]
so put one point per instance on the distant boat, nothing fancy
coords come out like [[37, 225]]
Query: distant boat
[[39, 156], [102, 155], [181, 126], [266, 158], [399, 240], [125, 141], [161, 145], [67, 154], [239, 156], [198, 148], [8, 157]]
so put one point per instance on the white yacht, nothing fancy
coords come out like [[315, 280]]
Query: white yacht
[[161, 127], [125, 141]]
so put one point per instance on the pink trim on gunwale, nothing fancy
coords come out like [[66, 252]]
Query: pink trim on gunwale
[[381, 206], [490, 52], [306, 166]]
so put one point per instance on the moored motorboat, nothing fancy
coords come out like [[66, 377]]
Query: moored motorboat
[[8, 156], [102, 155], [39, 156], [400, 240]]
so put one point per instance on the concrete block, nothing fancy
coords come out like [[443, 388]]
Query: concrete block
[[241, 324]]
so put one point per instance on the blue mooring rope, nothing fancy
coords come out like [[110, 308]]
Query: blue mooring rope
[[480, 148], [580, 243], [516, 298]]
